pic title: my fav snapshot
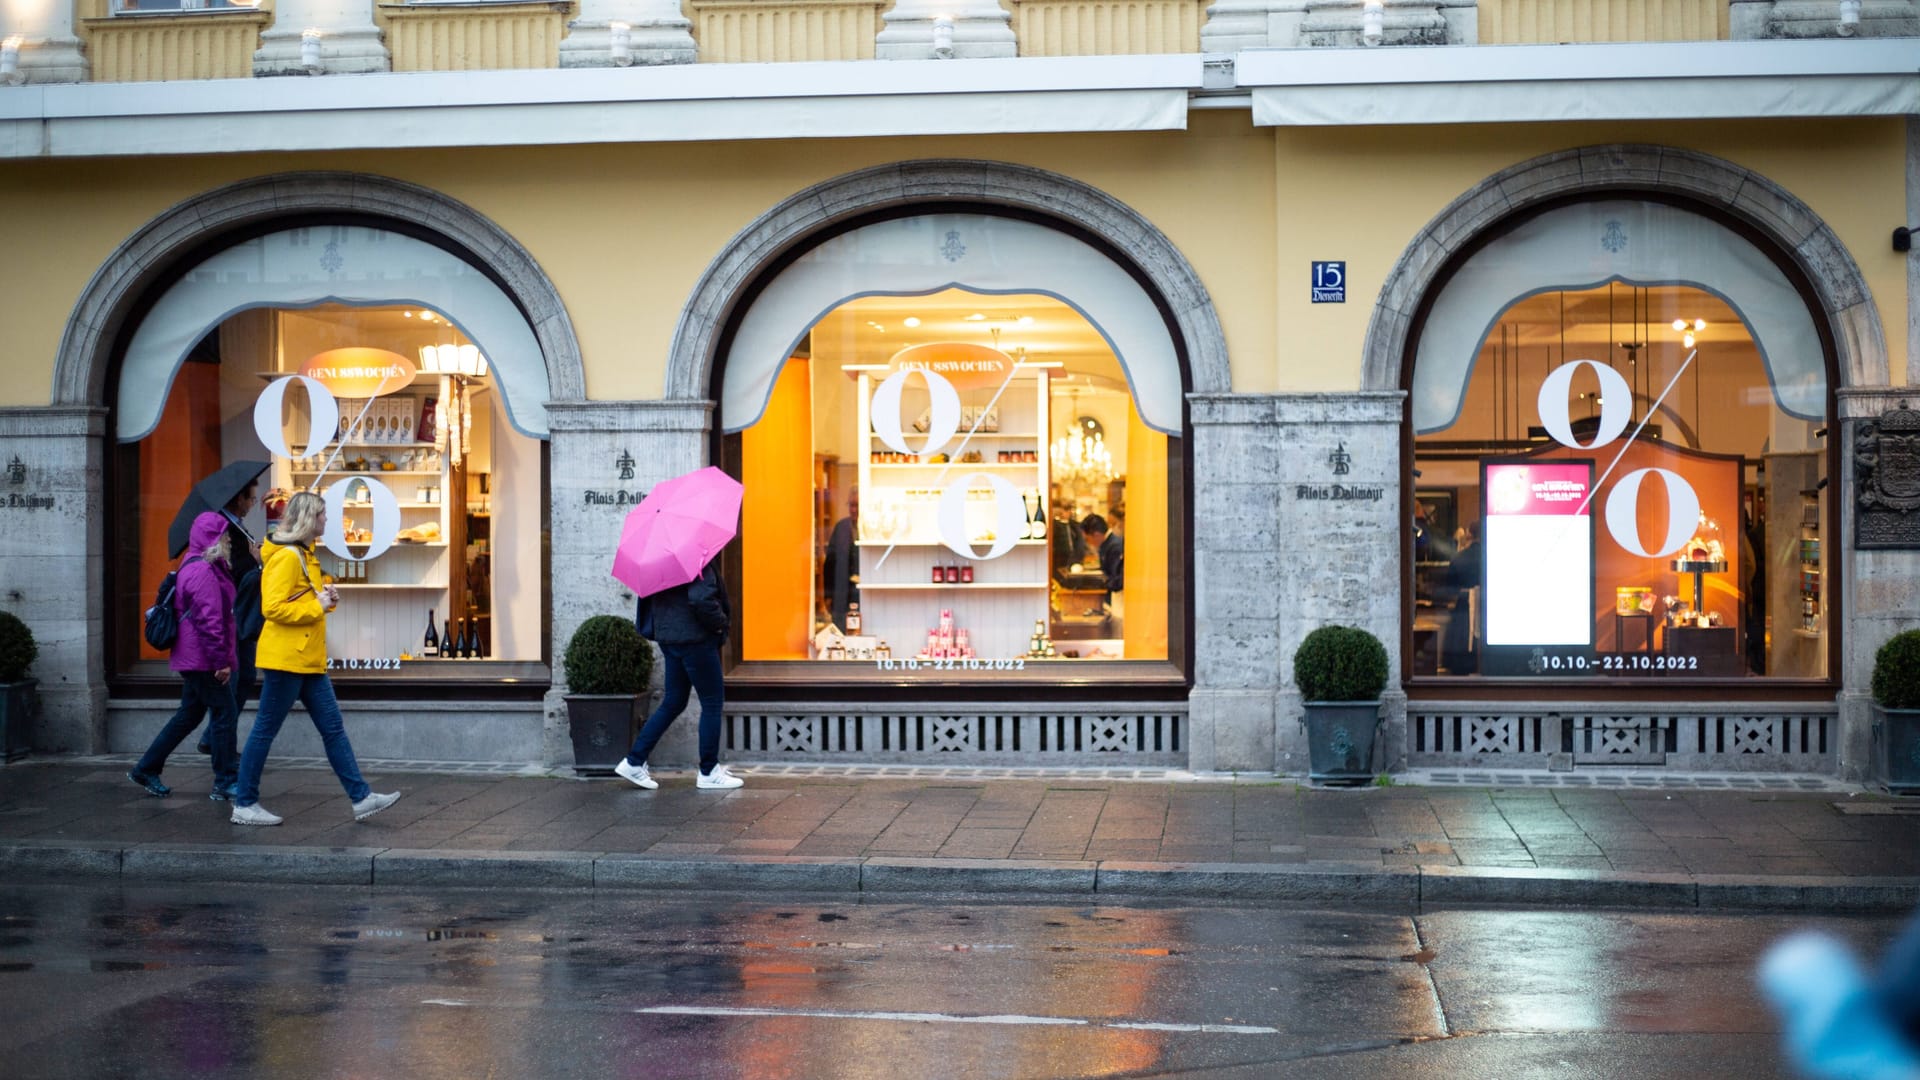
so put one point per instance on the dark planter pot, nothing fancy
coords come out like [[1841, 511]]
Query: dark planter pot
[[19, 707], [1340, 741], [1897, 733], [603, 726]]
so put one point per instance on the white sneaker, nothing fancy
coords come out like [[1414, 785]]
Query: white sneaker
[[636, 773], [253, 815], [373, 804], [719, 778]]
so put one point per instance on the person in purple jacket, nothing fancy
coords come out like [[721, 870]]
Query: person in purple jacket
[[205, 654]]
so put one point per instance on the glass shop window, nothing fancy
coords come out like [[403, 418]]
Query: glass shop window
[[1623, 478], [955, 481]]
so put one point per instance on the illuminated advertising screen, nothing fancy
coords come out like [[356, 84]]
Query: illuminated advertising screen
[[1537, 526]]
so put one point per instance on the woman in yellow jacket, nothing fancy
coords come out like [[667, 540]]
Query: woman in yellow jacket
[[293, 663]]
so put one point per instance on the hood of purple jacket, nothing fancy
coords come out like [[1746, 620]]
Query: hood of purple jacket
[[203, 595]]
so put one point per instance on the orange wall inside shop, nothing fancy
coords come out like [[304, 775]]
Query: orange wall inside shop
[[184, 447], [1715, 480], [776, 522], [1145, 532]]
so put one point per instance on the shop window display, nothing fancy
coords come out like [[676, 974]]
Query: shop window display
[[1623, 475], [968, 454], [389, 410]]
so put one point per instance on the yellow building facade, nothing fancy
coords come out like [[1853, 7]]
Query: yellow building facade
[[1276, 295]]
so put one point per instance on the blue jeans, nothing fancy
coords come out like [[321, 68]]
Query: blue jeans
[[241, 684], [278, 691], [695, 668], [200, 695]]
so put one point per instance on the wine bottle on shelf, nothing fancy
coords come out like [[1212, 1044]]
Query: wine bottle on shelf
[[460, 641], [446, 637], [431, 646]]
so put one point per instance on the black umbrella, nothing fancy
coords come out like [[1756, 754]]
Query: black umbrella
[[210, 495]]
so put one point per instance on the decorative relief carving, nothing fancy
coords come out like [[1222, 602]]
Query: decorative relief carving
[[1886, 466]]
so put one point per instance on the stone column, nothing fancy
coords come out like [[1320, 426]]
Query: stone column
[[1286, 541], [51, 564], [655, 33], [1879, 590], [604, 456], [347, 41], [1752, 19], [1233, 25], [1405, 22], [46, 51], [970, 28]]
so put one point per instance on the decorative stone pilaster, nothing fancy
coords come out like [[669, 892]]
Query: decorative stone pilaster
[[321, 37], [1296, 525], [1403, 22], [51, 554], [1881, 588], [44, 48], [1753, 19], [628, 33], [1233, 25], [604, 456], [934, 30]]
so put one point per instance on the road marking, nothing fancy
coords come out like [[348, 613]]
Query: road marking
[[1013, 1020]]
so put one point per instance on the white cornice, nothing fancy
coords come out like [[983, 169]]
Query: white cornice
[[1518, 83]]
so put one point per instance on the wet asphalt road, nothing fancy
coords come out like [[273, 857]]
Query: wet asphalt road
[[292, 982]]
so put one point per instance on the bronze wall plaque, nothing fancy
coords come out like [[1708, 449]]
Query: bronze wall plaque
[[1886, 470]]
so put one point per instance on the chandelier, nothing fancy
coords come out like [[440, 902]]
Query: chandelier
[[1081, 458]]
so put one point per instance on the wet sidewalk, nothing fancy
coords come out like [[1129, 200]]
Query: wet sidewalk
[[1804, 845]]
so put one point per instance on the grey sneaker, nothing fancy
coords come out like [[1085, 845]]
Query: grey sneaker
[[253, 815], [373, 804], [636, 773], [719, 778]]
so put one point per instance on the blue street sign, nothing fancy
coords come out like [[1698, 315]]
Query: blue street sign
[[1330, 282]]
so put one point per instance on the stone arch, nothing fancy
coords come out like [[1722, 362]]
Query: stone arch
[[1843, 298], [148, 257], [693, 354]]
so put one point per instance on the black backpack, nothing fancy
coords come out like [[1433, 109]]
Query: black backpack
[[248, 619], [163, 623]]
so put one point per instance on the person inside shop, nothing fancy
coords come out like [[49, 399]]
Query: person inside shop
[[840, 571], [1464, 572], [690, 623], [1068, 545], [1106, 541]]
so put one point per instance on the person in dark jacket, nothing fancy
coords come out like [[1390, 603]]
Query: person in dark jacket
[[205, 656], [1112, 553], [689, 622], [243, 558], [840, 571]]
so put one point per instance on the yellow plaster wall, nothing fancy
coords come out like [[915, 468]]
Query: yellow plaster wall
[[1362, 194], [626, 231]]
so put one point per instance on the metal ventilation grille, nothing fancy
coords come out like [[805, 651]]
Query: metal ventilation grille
[[1760, 738], [1116, 736]]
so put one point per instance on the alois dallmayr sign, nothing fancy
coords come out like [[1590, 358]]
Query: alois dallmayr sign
[[1886, 464]]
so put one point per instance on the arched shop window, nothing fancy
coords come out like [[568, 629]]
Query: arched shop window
[[936, 416], [1619, 412], [387, 374]]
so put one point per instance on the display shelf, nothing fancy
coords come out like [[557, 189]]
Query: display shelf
[[961, 586], [398, 544], [368, 472], [401, 505], [427, 586], [1041, 542]]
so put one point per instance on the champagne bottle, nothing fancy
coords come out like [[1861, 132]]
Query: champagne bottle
[[460, 641], [446, 637], [431, 647]]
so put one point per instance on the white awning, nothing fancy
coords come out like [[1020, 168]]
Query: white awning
[[1520, 83], [678, 103]]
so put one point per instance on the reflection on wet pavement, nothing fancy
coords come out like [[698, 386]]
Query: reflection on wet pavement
[[282, 981]]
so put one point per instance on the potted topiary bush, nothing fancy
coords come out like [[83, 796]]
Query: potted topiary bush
[[19, 695], [1896, 707], [608, 665], [1340, 671]]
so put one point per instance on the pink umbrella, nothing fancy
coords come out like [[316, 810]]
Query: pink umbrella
[[677, 529]]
